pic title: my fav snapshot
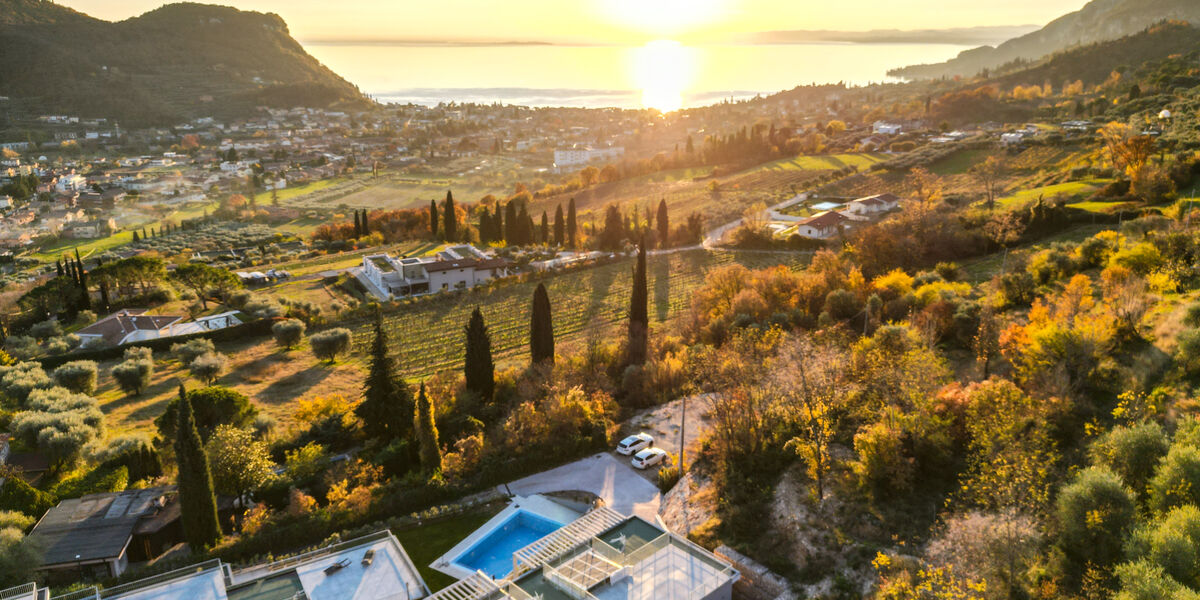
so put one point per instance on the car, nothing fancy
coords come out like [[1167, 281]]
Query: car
[[649, 457], [634, 443]]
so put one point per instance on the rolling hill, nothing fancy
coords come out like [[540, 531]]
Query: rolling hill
[[1099, 20], [173, 63]]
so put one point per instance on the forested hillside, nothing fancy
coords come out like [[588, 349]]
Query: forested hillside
[[179, 61]]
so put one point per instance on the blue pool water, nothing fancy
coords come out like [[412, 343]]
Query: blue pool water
[[492, 554]]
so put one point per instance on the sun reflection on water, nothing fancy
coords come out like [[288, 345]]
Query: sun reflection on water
[[663, 70]]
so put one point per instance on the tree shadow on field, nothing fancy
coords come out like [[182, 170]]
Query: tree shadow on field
[[661, 271], [602, 281], [286, 389], [256, 370]]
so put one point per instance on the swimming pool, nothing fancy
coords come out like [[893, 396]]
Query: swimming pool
[[492, 553]]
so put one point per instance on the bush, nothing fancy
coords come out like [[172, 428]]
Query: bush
[[134, 452], [1095, 491], [97, 481], [330, 343], [21, 347], [61, 344], [78, 376], [263, 308], [1131, 452], [208, 367], [288, 332], [85, 318], [667, 478], [16, 495], [188, 351], [1176, 482], [18, 380], [59, 423], [46, 329]]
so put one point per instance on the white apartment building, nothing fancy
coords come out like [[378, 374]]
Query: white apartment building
[[578, 156]]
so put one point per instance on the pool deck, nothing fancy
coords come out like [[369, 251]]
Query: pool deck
[[621, 488], [536, 504]]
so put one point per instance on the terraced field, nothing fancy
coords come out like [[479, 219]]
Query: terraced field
[[590, 303]]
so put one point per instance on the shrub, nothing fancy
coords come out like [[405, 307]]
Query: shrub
[[100, 480], [1176, 482], [46, 329], [1086, 539], [21, 347], [188, 351], [18, 496], [85, 318], [667, 478], [208, 367], [1173, 543], [59, 423], [288, 332], [263, 308], [61, 344], [330, 343], [134, 452], [78, 376], [1131, 452]]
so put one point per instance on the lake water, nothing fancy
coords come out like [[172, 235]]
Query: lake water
[[663, 74]]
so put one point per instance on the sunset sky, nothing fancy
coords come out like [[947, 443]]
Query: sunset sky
[[609, 21]]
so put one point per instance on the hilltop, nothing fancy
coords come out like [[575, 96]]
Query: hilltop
[[1099, 20], [176, 62]]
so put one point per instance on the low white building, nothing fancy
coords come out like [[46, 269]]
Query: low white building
[[870, 206], [822, 226], [885, 128]]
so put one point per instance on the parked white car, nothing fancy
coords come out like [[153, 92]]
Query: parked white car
[[649, 457], [635, 443]]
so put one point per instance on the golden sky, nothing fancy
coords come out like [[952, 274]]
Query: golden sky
[[610, 21]]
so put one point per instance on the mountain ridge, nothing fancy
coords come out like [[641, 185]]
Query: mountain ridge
[[176, 62], [1097, 21]]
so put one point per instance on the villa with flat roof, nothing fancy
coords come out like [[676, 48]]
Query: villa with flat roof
[[604, 555], [372, 567], [454, 268]]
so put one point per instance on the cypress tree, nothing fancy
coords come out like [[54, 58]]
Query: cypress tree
[[571, 226], [478, 368], [387, 407], [366, 222], [85, 299], [58, 265], [135, 236], [545, 232], [639, 316], [498, 224], [357, 226], [541, 328], [664, 224], [427, 434], [510, 223], [485, 227], [198, 505], [144, 232], [450, 219], [104, 296], [559, 227], [433, 218]]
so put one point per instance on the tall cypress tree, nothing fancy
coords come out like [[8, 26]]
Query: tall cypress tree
[[485, 227], [387, 407], [433, 219], [85, 299], [545, 232], [450, 218], [366, 223], [357, 226], [571, 225], [541, 328], [104, 296], [510, 223], [664, 224], [58, 265], [427, 434], [478, 368], [560, 228], [498, 224], [639, 315], [198, 505]]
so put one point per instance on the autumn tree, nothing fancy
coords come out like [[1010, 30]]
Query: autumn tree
[[811, 390], [427, 434], [240, 463], [988, 174]]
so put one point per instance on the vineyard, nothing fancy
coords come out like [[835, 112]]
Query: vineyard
[[590, 303]]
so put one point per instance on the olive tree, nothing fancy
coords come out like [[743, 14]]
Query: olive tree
[[188, 351], [59, 423], [78, 376], [330, 343], [208, 367], [134, 373], [288, 332]]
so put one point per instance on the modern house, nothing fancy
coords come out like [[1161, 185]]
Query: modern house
[[604, 555], [870, 206], [822, 226], [133, 325], [455, 268], [372, 567], [100, 534]]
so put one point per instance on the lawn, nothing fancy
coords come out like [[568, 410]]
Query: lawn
[[67, 246], [426, 543], [985, 267], [1071, 188], [824, 162], [287, 193], [960, 162]]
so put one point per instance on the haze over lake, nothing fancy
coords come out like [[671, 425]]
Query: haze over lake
[[663, 74]]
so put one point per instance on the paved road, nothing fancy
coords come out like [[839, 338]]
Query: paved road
[[603, 475]]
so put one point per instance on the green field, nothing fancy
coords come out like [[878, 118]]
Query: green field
[[959, 162], [1071, 188], [824, 162], [589, 303]]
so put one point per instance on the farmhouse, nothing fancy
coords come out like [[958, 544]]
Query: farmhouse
[[822, 226], [871, 206]]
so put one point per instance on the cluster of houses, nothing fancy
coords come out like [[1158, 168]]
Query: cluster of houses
[[835, 218]]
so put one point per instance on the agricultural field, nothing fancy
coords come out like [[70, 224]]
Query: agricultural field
[[1077, 189], [589, 304]]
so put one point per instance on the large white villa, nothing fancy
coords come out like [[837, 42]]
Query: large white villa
[[454, 268]]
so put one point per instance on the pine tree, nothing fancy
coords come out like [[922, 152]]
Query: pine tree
[[433, 219], [427, 434], [198, 505], [386, 411], [559, 227], [541, 328], [664, 225], [639, 316], [571, 226], [450, 219], [544, 234], [478, 368]]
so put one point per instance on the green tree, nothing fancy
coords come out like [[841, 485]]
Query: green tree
[[433, 219], [450, 218], [240, 463], [330, 343], [288, 332], [541, 328], [560, 228], [1096, 512], [572, 226], [639, 315], [198, 504], [211, 407], [431, 454], [1176, 481], [1131, 452], [386, 411], [478, 368]]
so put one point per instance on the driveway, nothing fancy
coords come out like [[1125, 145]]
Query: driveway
[[615, 481]]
